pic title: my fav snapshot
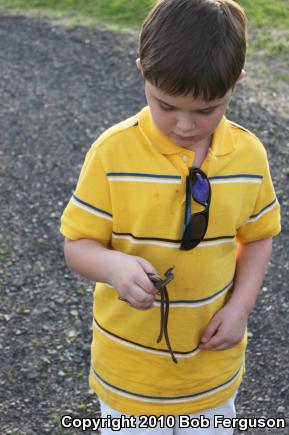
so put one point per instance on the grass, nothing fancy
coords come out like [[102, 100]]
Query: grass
[[130, 13], [120, 13], [267, 13], [273, 47]]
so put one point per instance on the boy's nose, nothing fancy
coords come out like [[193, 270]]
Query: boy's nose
[[185, 123]]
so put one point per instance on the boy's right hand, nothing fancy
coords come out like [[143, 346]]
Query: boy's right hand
[[128, 275]]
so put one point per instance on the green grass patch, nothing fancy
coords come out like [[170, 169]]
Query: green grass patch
[[130, 13], [267, 13], [122, 13], [270, 42]]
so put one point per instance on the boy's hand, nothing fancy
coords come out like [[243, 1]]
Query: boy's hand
[[128, 275], [226, 329]]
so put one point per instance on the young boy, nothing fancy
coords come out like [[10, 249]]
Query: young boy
[[177, 185]]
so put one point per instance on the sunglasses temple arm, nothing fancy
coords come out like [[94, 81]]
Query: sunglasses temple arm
[[188, 211]]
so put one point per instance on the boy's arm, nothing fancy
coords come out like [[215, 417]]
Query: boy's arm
[[227, 327], [126, 273]]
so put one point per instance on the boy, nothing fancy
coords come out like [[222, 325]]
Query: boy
[[177, 185]]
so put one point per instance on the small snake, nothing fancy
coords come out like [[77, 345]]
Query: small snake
[[161, 284]]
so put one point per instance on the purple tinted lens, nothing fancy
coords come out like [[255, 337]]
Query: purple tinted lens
[[200, 188]]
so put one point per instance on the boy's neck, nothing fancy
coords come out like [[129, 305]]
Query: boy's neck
[[201, 150]]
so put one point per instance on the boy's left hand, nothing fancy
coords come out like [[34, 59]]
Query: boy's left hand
[[225, 330]]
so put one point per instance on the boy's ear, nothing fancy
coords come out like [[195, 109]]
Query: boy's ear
[[138, 64], [242, 75]]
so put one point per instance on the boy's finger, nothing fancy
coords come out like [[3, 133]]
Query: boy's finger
[[220, 345], [130, 300], [141, 296], [144, 305], [215, 343], [210, 331], [145, 283], [146, 265]]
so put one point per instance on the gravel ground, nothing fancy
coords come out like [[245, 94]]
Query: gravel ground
[[59, 89]]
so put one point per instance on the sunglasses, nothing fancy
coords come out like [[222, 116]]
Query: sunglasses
[[197, 185]]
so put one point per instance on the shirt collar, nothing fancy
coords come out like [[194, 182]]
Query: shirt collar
[[222, 142], [159, 140]]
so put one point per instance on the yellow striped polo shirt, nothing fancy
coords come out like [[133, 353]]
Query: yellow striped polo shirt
[[130, 197]]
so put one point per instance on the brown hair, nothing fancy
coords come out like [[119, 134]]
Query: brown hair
[[194, 46]]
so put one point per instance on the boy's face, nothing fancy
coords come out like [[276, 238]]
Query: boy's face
[[188, 122]]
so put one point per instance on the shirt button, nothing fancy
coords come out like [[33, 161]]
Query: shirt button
[[185, 158]]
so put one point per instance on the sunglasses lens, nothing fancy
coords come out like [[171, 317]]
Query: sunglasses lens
[[195, 230], [200, 187]]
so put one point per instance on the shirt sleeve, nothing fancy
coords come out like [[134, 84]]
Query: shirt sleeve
[[264, 220], [88, 214]]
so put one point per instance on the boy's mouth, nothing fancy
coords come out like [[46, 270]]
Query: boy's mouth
[[184, 138]]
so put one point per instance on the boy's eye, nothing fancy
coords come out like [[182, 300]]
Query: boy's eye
[[206, 111], [165, 107]]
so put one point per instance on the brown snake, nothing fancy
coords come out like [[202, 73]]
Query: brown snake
[[161, 284]]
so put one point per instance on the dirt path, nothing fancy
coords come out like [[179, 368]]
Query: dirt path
[[59, 89]]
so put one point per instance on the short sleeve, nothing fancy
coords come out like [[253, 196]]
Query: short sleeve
[[88, 214], [264, 220]]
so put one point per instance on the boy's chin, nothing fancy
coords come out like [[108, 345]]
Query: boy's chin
[[184, 142]]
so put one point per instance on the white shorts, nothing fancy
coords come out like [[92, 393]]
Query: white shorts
[[197, 424]]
